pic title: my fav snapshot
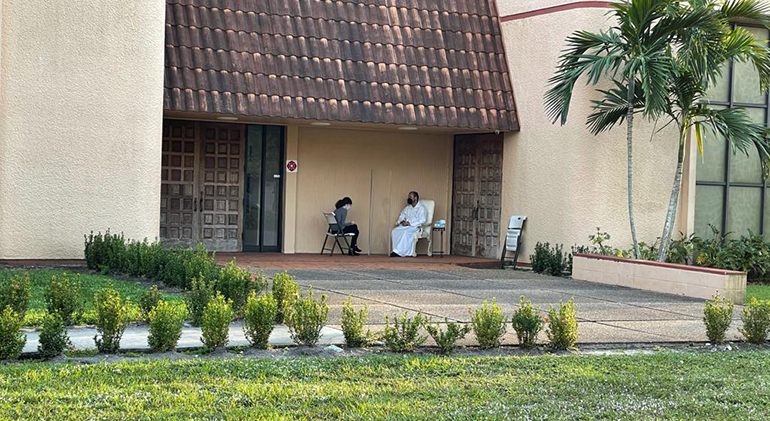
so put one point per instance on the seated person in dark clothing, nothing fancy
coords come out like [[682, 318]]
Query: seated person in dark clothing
[[341, 212]]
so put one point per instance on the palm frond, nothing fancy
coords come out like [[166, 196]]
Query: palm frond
[[587, 53], [754, 10], [735, 125], [612, 109]]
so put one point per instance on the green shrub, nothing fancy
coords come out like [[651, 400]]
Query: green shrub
[[539, 260], [198, 262], [54, 339], [172, 270], [216, 322], [141, 258], [563, 326], [488, 325], [404, 335], [557, 261], [756, 321], [237, 284], [155, 257], [285, 292], [111, 320], [259, 319], [15, 293], [106, 253], [197, 298], [166, 321], [62, 296], [552, 261], [527, 323], [353, 324], [149, 299], [447, 339], [306, 317], [11, 339], [717, 316]]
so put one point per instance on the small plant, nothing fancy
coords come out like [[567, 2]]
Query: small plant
[[53, 338], [563, 326], [306, 318], [756, 321], [15, 293], [111, 320], [557, 261], [237, 284], [353, 324], [527, 323], [488, 325], [259, 319], [62, 296], [197, 298], [717, 316], [11, 339], [285, 291], [404, 334], [447, 339], [216, 322], [166, 321], [149, 299], [539, 260]]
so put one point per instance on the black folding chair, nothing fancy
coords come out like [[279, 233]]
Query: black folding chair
[[335, 232]]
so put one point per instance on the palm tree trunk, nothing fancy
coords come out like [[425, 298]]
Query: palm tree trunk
[[630, 168], [668, 227]]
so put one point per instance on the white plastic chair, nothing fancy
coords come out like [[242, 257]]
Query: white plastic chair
[[426, 230]]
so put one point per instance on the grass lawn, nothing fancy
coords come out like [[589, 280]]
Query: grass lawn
[[89, 285], [760, 291], [666, 385]]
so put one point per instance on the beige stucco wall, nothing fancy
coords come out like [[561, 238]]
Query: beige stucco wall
[[334, 163], [567, 181], [80, 127]]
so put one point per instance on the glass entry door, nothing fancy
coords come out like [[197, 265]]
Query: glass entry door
[[263, 189]]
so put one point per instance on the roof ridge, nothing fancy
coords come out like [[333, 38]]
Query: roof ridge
[[352, 22], [355, 3]]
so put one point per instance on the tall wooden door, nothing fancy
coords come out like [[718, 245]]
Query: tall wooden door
[[476, 199], [221, 189], [179, 222]]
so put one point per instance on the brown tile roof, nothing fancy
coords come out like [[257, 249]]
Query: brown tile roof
[[410, 62]]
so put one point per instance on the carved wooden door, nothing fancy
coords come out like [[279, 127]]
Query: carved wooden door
[[179, 224], [476, 203], [221, 190]]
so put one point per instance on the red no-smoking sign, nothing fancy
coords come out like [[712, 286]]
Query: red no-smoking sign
[[291, 165]]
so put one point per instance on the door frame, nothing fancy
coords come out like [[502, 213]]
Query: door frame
[[452, 195], [261, 248]]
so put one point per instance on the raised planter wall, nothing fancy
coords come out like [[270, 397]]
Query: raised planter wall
[[690, 281]]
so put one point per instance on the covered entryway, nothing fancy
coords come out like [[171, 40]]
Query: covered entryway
[[221, 185], [478, 176]]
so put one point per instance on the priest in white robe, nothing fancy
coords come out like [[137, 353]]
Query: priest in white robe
[[409, 221]]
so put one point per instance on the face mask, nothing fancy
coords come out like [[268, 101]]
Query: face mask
[[347, 207], [409, 201]]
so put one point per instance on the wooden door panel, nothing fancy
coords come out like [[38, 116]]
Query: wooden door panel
[[476, 202], [178, 222], [221, 196], [463, 198], [490, 151]]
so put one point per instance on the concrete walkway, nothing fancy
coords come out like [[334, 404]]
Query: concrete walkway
[[607, 314], [135, 338]]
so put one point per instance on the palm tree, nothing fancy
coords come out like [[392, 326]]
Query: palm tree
[[635, 54]]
